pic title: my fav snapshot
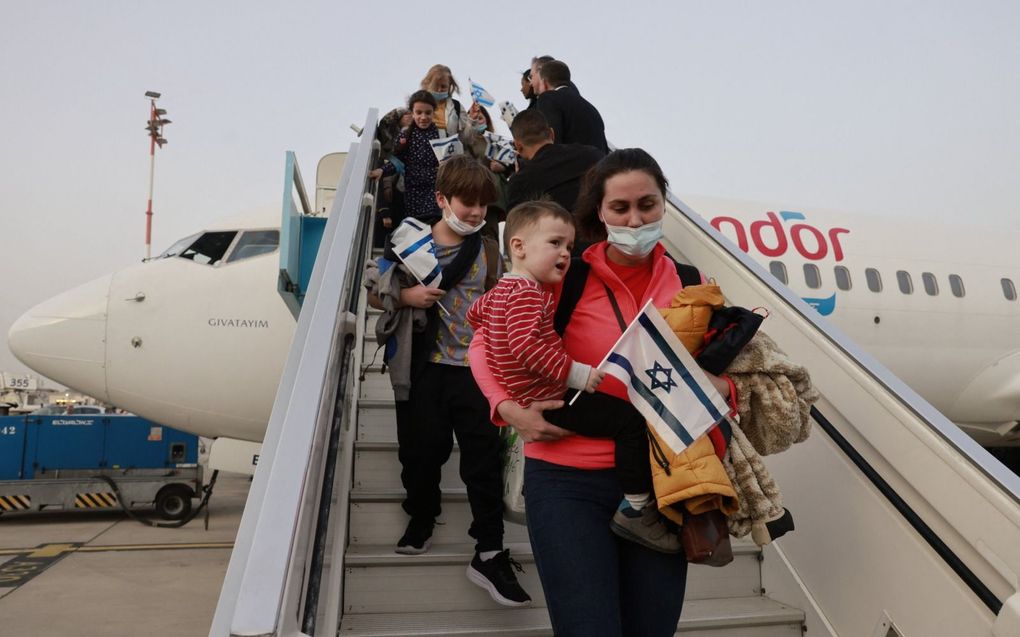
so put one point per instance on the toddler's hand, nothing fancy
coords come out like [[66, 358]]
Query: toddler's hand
[[594, 378]]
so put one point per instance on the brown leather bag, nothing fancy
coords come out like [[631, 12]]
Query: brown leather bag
[[706, 538]]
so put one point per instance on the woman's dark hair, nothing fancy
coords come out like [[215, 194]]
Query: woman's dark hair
[[421, 96], [593, 187]]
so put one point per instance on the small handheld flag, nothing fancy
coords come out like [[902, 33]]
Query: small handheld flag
[[499, 148], [414, 247], [447, 147], [480, 95], [663, 380]]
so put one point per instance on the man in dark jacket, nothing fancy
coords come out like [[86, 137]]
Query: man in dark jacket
[[573, 118], [549, 169]]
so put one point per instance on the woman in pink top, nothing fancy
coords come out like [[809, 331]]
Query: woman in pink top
[[594, 582]]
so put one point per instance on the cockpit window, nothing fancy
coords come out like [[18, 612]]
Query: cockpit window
[[178, 247], [253, 243], [209, 248]]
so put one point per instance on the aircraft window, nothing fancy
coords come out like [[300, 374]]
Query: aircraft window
[[778, 270], [1008, 289], [956, 285], [906, 283], [874, 279], [178, 247], [209, 248], [842, 277], [812, 276], [931, 285], [253, 243]]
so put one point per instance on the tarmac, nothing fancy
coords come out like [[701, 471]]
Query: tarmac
[[100, 573]]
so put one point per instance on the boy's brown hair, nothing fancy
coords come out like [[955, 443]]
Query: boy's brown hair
[[528, 214], [464, 177]]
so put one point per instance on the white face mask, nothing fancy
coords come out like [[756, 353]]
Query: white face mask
[[460, 227], [635, 242]]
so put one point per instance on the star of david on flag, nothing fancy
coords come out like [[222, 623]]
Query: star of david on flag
[[480, 95], [663, 381], [447, 147]]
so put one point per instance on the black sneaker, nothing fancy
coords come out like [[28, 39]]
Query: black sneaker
[[417, 537], [497, 577]]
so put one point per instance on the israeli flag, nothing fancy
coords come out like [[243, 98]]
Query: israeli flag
[[413, 245], [663, 381], [447, 147], [499, 148], [480, 95]]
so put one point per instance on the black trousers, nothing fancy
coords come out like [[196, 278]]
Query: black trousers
[[600, 415], [445, 401]]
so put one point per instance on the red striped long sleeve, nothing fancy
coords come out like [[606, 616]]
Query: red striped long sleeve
[[522, 349]]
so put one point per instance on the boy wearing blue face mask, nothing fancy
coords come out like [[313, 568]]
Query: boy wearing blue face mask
[[442, 399]]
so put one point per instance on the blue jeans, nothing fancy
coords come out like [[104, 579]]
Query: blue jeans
[[596, 584]]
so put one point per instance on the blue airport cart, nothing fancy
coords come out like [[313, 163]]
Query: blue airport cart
[[89, 462]]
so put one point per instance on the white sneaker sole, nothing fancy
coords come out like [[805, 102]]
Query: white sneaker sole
[[480, 580], [410, 550]]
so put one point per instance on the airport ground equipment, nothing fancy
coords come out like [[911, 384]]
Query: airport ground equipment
[[67, 462], [905, 526]]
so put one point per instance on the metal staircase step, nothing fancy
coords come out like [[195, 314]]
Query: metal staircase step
[[436, 580], [376, 466], [378, 580], [377, 518], [733, 617], [377, 420]]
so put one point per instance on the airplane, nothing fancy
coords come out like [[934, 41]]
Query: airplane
[[197, 337]]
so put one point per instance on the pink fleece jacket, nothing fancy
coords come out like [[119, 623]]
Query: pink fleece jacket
[[592, 331]]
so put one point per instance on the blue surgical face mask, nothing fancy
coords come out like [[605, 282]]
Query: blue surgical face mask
[[635, 242], [481, 128], [462, 228], [440, 96]]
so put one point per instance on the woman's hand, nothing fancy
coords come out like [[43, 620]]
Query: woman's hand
[[375, 173], [530, 423], [496, 167], [420, 296]]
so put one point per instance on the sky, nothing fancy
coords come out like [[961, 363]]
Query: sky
[[906, 109]]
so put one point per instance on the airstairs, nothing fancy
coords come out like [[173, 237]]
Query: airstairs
[[905, 527]]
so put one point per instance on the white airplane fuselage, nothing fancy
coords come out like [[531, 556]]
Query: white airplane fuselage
[[201, 347]]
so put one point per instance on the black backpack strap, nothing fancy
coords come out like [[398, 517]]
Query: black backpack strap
[[491, 262], [689, 275], [570, 293]]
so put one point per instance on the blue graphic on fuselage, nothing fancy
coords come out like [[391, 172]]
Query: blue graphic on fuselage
[[824, 307], [787, 215]]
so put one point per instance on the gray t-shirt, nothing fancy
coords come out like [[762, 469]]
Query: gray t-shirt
[[455, 332]]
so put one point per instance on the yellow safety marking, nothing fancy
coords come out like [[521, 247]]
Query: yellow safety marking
[[94, 500], [15, 502], [157, 547], [52, 550]]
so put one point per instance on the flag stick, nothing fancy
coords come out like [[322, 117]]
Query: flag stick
[[606, 357], [418, 278]]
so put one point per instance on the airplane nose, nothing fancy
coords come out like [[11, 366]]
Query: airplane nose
[[64, 338]]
